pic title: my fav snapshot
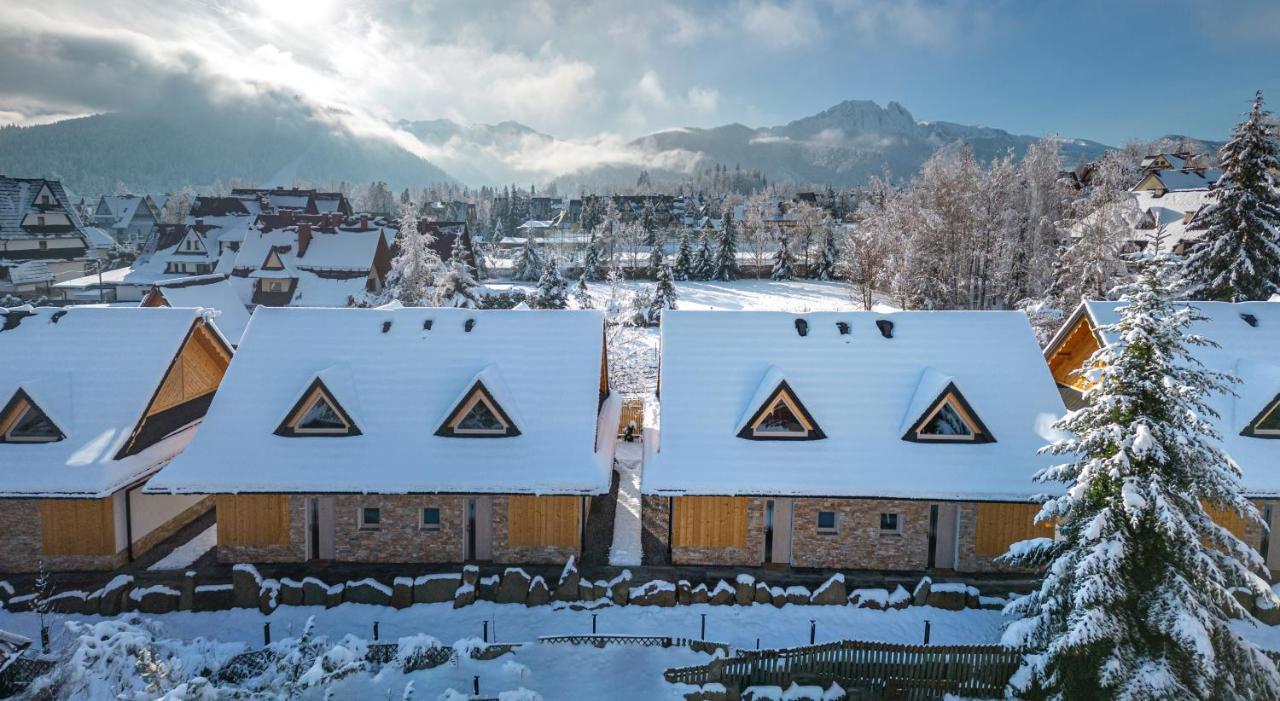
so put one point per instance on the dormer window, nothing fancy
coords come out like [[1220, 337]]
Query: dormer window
[[478, 415], [946, 423], [318, 413], [1267, 423], [780, 416], [24, 422], [949, 419]]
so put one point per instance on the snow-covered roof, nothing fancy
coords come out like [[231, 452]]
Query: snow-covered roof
[[1250, 352], [1189, 179], [343, 250], [97, 238], [209, 292], [93, 371], [861, 389], [18, 198], [397, 382], [123, 207], [30, 272]]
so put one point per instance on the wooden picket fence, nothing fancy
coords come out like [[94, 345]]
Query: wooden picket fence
[[875, 670]]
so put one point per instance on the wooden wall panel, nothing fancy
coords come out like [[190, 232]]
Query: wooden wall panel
[[197, 371], [78, 526], [709, 522], [534, 521], [1071, 354], [253, 519], [1001, 525], [1226, 518]]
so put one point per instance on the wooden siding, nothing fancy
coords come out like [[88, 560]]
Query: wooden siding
[[253, 519], [197, 371], [709, 522], [543, 521], [632, 410], [78, 526], [1071, 354], [1001, 525], [1226, 518]]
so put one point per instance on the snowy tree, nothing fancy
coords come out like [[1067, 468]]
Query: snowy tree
[[1137, 600], [456, 286], [725, 265], [656, 258], [380, 200], [413, 269], [1092, 264], [613, 306], [683, 268], [552, 291], [581, 295], [529, 265], [177, 207], [664, 296], [1238, 257], [591, 260], [825, 269], [783, 261], [703, 261]]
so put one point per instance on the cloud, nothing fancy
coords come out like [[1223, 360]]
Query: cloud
[[781, 26], [703, 99]]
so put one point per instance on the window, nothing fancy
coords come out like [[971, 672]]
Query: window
[[44, 199], [480, 419], [477, 416], [1270, 423], [946, 422], [890, 524], [1267, 423], [29, 425], [44, 245], [780, 420], [826, 522], [431, 519], [40, 222], [317, 413], [370, 517], [321, 417], [949, 419]]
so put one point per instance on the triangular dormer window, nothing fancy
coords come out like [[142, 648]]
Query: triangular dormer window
[[478, 415], [24, 422], [318, 413], [45, 197], [193, 244], [273, 261], [949, 419], [781, 417], [1267, 423]]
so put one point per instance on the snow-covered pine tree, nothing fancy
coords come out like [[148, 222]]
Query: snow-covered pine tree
[[529, 265], [725, 264], [456, 286], [783, 262], [552, 292], [656, 258], [581, 295], [664, 296], [413, 269], [1091, 264], [1238, 257], [703, 263], [591, 260], [1137, 600], [684, 258], [825, 269]]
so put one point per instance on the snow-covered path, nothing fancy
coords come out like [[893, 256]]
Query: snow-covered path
[[627, 550]]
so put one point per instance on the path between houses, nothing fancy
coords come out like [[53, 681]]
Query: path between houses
[[629, 464]]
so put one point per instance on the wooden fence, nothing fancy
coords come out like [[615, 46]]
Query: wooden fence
[[637, 641], [911, 672]]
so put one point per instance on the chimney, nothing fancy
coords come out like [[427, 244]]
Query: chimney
[[304, 239], [199, 222], [364, 222]]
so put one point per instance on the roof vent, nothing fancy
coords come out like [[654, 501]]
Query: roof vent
[[15, 317], [471, 324], [426, 325], [886, 327], [1250, 319], [802, 327], [843, 327], [57, 315], [386, 326]]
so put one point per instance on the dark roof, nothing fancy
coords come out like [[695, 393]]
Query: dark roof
[[17, 199], [217, 207]]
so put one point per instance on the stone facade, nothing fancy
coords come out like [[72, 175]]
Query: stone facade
[[655, 529], [858, 542], [503, 551], [400, 537], [293, 551], [20, 522]]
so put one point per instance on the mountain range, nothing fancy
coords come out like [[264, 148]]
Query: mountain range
[[159, 151]]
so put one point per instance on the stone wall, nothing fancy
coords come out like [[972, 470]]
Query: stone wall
[[504, 552], [23, 542], [293, 551], [858, 542], [751, 556], [399, 537], [655, 529]]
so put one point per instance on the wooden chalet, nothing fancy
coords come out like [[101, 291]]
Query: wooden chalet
[[406, 435], [101, 399], [851, 440]]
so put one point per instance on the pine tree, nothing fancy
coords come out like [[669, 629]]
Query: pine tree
[[703, 263], [581, 295], [726, 261], [664, 296], [683, 268], [826, 267], [591, 261], [413, 270], [552, 292], [529, 265], [457, 286], [783, 261], [1238, 257], [656, 259], [1137, 600]]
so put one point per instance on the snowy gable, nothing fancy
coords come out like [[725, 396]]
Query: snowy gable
[[910, 404], [208, 292], [1247, 335], [410, 380], [78, 385]]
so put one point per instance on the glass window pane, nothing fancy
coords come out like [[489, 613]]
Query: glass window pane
[[33, 424], [826, 520], [480, 418], [371, 516], [888, 522], [321, 416], [946, 422], [431, 517], [780, 420], [1270, 422]]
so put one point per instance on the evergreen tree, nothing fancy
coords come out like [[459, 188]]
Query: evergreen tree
[[529, 265], [684, 258], [591, 261], [413, 269], [703, 262], [656, 259], [726, 261], [1137, 601], [457, 285], [552, 292], [581, 295], [783, 261], [826, 267], [664, 296], [1238, 257]]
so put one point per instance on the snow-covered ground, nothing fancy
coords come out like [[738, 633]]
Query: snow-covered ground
[[739, 295], [187, 553], [628, 462]]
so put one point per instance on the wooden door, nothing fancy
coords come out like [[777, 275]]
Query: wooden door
[[944, 522], [320, 528], [479, 531], [778, 513]]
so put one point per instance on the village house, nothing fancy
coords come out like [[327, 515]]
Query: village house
[[102, 398], [213, 292], [42, 239], [406, 435], [311, 262], [852, 440], [1248, 338], [128, 218], [303, 201]]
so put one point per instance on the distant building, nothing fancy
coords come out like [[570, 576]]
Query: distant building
[[128, 218], [38, 222]]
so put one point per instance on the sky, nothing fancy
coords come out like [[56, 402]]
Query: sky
[[615, 69]]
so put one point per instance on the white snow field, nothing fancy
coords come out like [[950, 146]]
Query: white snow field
[[628, 463], [187, 553], [788, 296]]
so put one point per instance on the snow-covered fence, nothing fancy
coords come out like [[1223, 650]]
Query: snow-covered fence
[[635, 640], [918, 672], [16, 674]]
